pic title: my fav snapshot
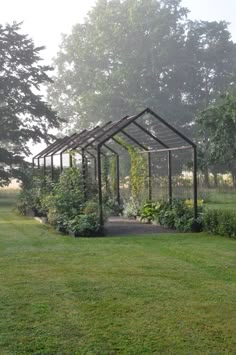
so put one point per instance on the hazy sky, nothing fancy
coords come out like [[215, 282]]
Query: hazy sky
[[45, 20]]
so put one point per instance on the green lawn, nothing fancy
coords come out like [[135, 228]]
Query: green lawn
[[220, 200], [169, 294], [222, 206]]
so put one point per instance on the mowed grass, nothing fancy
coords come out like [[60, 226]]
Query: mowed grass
[[221, 200], [169, 294]]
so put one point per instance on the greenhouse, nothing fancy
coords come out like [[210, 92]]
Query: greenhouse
[[142, 156]]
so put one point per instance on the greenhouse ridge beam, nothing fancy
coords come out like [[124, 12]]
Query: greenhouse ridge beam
[[60, 145], [64, 147], [113, 124], [150, 135], [185, 147], [47, 148]]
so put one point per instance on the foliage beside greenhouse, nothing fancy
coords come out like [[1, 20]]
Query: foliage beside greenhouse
[[63, 203]]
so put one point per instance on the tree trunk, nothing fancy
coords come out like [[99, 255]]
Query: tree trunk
[[206, 178], [215, 180], [233, 173]]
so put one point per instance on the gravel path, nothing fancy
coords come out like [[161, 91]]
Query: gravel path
[[123, 226]]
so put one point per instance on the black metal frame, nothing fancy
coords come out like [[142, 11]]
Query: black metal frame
[[95, 143]]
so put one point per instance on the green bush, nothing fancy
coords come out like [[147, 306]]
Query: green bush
[[221, 222], [131, 208], [86, 225], [67, 197], [32, 195], [112, 208], [63, 203], [66, 201], [179, 214], [167, 215], [27, 202], [149, 211]]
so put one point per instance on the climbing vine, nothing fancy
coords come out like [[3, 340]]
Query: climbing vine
[[138, 171]]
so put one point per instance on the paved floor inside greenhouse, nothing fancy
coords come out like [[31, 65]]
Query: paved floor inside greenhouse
[[123, 226]]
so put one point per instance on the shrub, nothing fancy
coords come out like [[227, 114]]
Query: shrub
[[32, 195], [150, 211], [90, 207], [86, 225], [63, 203], [221, 222], [179, 214], [26, 202], [67, 197], [112, 208], [67, 208], [131, 208]]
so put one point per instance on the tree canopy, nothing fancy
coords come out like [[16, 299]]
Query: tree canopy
[[217, 126], [24, 115], [131, 54]]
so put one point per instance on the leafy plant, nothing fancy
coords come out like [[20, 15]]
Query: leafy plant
[[149, 211], [131, 208], [113, 208], [179, 214], [63, 203], [86, 225], [138, 172], [33, 194], [221, 222]]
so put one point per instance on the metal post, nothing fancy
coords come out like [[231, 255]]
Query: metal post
[[52, 170], [118, 179], [170, 175], [95, 169], [61, 162], [44, 166], [99, 185], [195, 181], [105, 174], [38, 163], [84, 173], [70, 160], [86, 176], [149, 177]]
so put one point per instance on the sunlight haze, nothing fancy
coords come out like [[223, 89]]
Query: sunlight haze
[[45, 21]]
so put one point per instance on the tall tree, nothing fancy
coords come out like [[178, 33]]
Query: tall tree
[[218, 124], [24, 115], [210, 64], [122, 59], [132, 54]]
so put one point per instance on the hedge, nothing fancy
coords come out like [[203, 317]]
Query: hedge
[[220, 222]]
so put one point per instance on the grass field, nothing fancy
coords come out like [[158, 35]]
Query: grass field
[[219, 199], [169, 294]]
